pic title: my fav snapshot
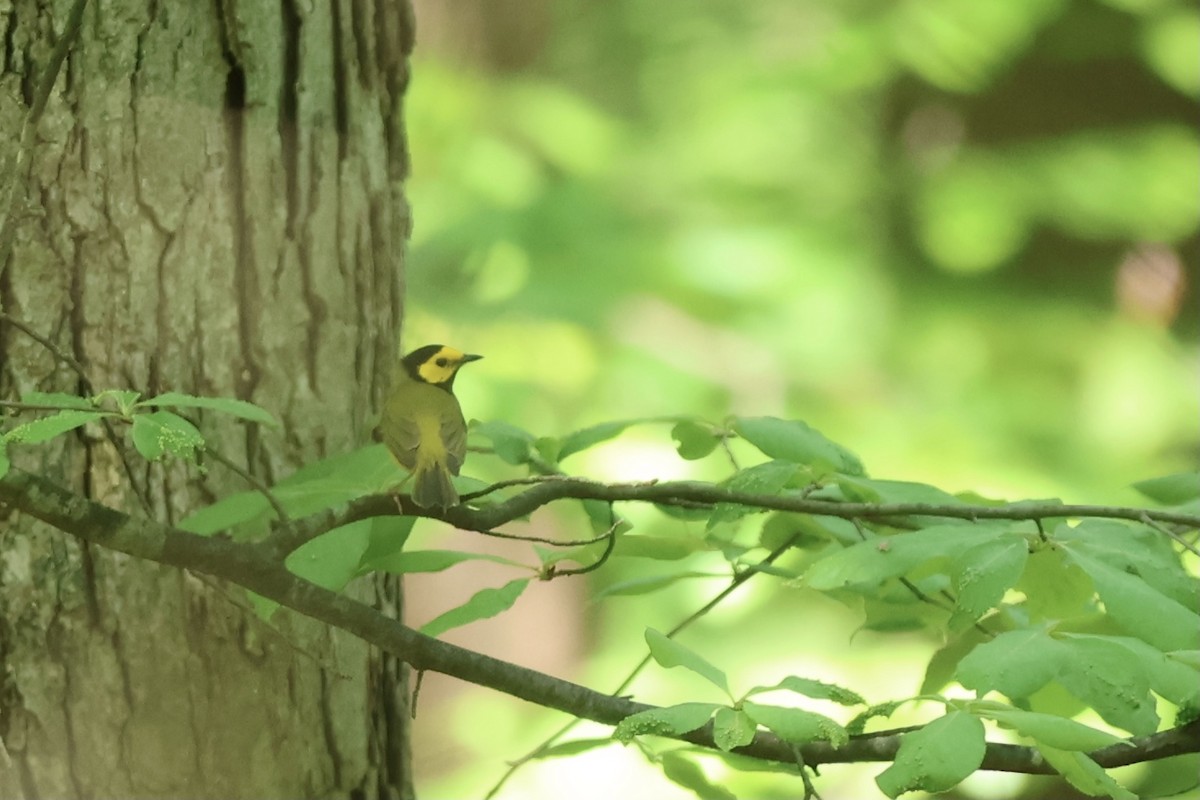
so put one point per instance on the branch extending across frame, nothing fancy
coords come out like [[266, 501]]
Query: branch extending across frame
[[255, 566], [689, 494]]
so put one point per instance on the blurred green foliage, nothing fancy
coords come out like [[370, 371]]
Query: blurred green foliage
[[959, 236]]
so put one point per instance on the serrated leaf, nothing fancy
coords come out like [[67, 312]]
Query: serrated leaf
[[668, 721], [160, 433], [1111, 680], [937, 757], [732, 728], [331, 560], [858, 725], [818, 690], [1138, 608], [585, 438], [871, 562], [431, 561], [484, 604], [694, 440], [1015, 663], [226, 513], [1047, 729], [797, 442], [225, 405], [684, 772], [1170, 490], [509, 442], [61, 399], [46, 428], [796, 725], [982, 574], [1084, 774], [669, 653]]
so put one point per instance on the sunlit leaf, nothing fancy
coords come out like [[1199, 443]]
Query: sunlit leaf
[[160, 433], [331, 560], [694, 440], [818, 690], [668, 721], [46, 428], [936, 757], [795, 441], [1171, 490], [484, 604], [1016, 663], [796, 725], [1084, 774], [1111, 680], [226, 405], [732, 728], [669, 653], [982, 574]]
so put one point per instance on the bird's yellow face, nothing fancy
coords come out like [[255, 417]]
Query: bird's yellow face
[[437, 364]]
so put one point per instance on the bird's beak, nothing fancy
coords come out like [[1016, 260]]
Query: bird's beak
[[469, 357]]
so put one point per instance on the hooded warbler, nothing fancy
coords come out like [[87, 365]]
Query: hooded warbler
[[423, 424]]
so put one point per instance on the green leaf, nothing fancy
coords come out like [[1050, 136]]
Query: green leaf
[[1169, 677], [583, 439], [1111, 680], [46, 428], [795, 441], [858, 725], [226, 513], [226, 405], [1084, 774], [869, 563], [796, 725], [684, 772], [1139, 608], [160, 433], [818, 690], [981, 576], [669, 653], [339, 479], [511, 444], [694, 440], [1170, 490], [659, 548], [650, 583], [57, 399], [331, 560], [125, 399], [1054, 586], [573, 747], [668, 721], [1015, 663], [732, 728], [937, 757], [1047, 729], [484, 604], [388, 536], [431, 561], [1138, 550], [763, 479], [869, 490]]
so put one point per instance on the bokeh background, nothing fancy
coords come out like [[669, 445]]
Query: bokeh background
[[957, 236]]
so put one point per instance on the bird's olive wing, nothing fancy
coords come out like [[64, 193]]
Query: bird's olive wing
[[454, 434], [402, 437]]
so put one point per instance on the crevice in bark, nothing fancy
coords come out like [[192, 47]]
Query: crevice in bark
[[328, 713], [341, 99], [289, 106]]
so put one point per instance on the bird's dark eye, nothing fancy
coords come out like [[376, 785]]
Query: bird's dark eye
[[441, 362]]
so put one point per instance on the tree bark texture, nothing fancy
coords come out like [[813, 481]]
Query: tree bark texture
[[211, 203]]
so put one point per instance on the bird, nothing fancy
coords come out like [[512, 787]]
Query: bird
[[422, 423]]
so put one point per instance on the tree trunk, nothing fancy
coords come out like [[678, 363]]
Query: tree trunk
[[211, 203]]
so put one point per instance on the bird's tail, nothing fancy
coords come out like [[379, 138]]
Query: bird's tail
[[432, 487]]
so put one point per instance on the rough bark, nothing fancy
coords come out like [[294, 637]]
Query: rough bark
[[211, 204]]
